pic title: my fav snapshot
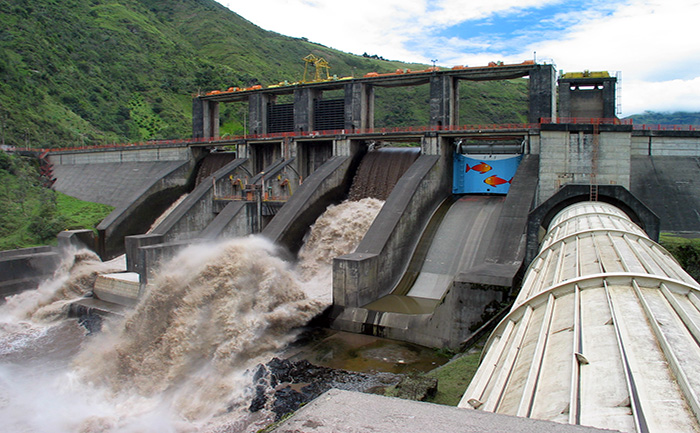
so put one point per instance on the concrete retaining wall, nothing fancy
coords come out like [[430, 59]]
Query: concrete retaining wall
[[174, 152], [25, 268], [115, 184], [142, 208], [665, 143], [670, 187], [140, 182]]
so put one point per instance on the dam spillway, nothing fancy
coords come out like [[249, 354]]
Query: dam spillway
[[458, 242], [325, 167], [221, 308], [380, 170], [182, 357]]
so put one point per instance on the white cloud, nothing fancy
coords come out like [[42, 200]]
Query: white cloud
[[650, 41], [451, 12], [375, 26], [672, 95], [639, 36]]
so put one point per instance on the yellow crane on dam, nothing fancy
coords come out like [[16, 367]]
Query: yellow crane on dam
[[320, 65]]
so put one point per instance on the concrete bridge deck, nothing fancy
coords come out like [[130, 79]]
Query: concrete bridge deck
[[394, 79]]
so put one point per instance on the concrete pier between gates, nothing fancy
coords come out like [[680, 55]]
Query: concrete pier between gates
[[327, 185]]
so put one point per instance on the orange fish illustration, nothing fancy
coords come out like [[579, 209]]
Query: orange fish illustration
[[495, 180], [481, 168]]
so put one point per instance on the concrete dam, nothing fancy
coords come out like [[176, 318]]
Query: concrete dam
[[410, 274], [466, 207], [448, 246]]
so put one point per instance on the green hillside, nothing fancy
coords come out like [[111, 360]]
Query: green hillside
[[666, 118], [81, 72], [31, 214]]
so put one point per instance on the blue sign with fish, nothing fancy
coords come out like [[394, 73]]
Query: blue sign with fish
[[490, 174]]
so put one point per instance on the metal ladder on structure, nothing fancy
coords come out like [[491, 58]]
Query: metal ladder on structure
[[593, 192]]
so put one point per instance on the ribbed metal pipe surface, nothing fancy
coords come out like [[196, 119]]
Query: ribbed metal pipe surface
[[603, 333]]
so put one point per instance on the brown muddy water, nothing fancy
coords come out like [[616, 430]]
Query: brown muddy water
[[363, 353], [184, 359]]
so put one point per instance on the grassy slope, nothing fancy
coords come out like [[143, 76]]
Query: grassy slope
[[455, 376], [80, 214], [686, 251]]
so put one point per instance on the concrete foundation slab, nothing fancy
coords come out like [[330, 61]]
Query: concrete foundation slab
[[346, 411]]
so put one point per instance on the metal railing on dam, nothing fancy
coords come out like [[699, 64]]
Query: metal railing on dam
[[407, 130]]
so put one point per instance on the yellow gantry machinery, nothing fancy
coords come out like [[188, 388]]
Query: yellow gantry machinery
[[320, 65]]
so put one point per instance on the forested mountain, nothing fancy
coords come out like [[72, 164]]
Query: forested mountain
[[80, 72], [90, 71], [76, 72]]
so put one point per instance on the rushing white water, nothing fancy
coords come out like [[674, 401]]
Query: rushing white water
[[181, 361], [74, 277], [335, 233], [37, 391]]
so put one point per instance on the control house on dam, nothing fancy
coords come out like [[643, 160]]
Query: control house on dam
[[465, 207]]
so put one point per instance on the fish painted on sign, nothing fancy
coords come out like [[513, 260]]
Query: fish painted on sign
[[481, 168], [495, 180]]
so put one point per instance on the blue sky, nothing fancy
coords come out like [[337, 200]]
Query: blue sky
[[651, 42]]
